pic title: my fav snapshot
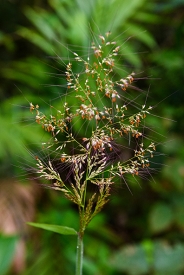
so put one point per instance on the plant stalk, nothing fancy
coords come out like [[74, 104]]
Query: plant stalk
[[79, 258]]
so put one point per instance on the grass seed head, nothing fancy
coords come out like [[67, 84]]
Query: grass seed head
[[98, 107]]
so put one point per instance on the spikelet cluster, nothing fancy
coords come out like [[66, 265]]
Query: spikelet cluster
[[99, 109]]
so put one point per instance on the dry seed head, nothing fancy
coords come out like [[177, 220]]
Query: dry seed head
[[96, 152]]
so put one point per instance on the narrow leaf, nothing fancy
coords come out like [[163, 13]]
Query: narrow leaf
[[55, 228]]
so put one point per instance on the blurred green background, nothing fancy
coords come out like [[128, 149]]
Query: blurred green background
[[135, 234]]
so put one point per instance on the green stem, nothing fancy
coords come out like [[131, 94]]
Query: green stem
[[79, 259]]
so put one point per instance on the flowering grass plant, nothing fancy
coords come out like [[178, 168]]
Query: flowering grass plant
[[90, 137]]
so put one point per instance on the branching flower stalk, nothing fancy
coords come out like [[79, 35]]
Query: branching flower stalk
[[92, 126]]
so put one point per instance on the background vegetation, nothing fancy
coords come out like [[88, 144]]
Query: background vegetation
[[135, 234]]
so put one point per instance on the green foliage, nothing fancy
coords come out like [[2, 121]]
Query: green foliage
[[157, 258], [131, 259], [7, 252], [161, 217], [168, 259], [80, 18]]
